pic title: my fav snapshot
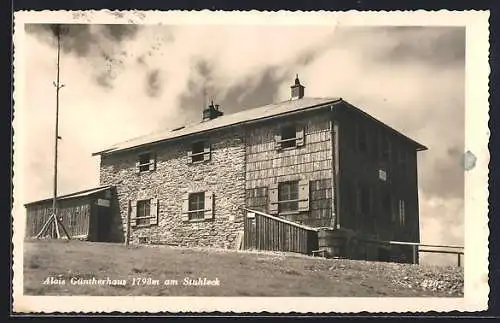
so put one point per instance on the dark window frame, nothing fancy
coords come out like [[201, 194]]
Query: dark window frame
[[198, 151], [143, 215], [144, 161], [196, 206], [288, 135], [288, 197]]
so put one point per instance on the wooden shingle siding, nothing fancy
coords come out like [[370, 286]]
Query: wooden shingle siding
[[257, 198], [311, 162]]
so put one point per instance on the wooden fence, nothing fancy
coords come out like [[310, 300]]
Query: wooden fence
[[266, 232], [416, 249]]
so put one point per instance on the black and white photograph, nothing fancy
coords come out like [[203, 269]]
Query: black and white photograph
[[251, 155]]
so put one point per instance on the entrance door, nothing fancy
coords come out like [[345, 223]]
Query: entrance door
[[103, 223]]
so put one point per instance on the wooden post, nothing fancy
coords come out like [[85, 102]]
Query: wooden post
[[414, 247], [127, 229], [458, 254]]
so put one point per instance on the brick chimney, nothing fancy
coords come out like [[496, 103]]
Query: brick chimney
[[297, 89], [211, 112]]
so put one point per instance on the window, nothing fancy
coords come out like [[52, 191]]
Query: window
[[196, 205], [402, 211], [288, 196], [145, 162], [143, 212], [289, 136], [200, 151], [197, 149]]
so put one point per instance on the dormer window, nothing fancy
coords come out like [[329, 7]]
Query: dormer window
[[200, 151], [289, 136], [145, 162]]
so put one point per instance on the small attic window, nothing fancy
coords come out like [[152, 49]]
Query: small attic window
[[145, 162], [200, 152], [289, 136]]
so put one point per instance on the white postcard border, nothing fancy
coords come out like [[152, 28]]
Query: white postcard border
[[476, 287]]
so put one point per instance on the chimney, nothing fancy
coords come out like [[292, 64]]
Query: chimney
[[211, 112], [297, 89]]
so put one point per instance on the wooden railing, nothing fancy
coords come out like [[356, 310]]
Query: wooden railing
[[444, 249], [266, 232]]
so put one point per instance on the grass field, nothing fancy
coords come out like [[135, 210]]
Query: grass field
[[156, 269]]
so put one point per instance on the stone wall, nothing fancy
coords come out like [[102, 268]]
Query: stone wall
[[172, 179]]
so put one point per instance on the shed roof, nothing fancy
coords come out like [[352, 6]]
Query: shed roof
[[83, 193], [246, 116]]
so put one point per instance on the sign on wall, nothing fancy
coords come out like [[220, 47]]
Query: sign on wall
[[382, 174]]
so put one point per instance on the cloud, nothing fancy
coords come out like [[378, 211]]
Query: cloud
[[154, 83], [125, 81]]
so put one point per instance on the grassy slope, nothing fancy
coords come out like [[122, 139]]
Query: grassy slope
[[240, 273]]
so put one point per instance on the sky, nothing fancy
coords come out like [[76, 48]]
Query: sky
[[123, 81]]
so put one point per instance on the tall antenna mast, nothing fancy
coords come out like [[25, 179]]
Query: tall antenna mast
[[58, 86]]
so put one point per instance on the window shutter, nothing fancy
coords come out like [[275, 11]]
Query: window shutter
[[152, 162], [137, 169], [154, 212], [190, 157], [303, 196], [209, 206], [133, 213], [185, 208], [277, 141], [273, 199], [206, 153], [299, 137]]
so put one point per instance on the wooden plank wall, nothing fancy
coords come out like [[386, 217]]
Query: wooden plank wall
[[266, 233], [74, 213], [359, 168]]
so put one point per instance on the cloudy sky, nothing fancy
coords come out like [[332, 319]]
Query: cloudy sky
[[123, 81]]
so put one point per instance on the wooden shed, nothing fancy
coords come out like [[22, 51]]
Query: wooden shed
[[86, 215]]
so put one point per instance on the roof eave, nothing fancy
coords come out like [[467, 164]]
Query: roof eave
[[71, 195], [284, 114], [418, 146]]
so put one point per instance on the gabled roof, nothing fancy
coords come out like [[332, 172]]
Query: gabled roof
[[243, 117], [83, 193], [264, 112]]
